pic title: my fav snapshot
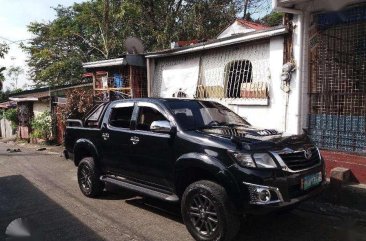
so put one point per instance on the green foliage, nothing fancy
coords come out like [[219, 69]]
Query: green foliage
[[4, 96], [42, 126], [272, 19], [4, 48], [11, 115], [96, 30], [13, 74]]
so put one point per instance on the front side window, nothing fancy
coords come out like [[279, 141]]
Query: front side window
[[148, 115], [121, 117]]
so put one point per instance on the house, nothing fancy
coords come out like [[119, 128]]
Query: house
[[31, 103], [328, 38], [241, 69]]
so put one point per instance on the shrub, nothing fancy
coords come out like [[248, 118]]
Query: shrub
[[12, 116], [42, 126]]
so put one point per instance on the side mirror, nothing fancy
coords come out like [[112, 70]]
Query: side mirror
[[162, 126]]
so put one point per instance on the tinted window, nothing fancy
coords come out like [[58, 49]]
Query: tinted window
[[121, 117], [146, 116], [192, 115]]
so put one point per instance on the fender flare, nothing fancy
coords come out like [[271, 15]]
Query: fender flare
[[87, 146], [214, 167]]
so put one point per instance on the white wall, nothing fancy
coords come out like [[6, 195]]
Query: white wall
[[271, 116], [234, 28], [39, 107], [267, 60]]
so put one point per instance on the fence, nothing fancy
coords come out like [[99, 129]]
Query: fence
[[338, 82]]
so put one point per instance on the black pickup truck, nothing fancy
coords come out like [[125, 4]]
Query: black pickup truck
[[198, 153]]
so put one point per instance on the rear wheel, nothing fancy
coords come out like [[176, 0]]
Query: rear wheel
[[208, 213], [88, 178]]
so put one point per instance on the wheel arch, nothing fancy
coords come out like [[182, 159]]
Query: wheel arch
[[193, 167], [84, 148]]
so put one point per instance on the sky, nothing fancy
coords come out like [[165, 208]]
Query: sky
[[15, 15]]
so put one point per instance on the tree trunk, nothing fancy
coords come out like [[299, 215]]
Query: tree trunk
[[246, 3]]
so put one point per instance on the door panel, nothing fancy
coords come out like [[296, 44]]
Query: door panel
[[116, 136], [153, 152]]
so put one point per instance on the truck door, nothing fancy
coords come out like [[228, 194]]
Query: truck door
[[152, 152], [116, 133]]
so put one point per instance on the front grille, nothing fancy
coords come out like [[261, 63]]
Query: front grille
[[297, 161]]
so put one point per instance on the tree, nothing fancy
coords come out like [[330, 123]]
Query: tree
[[96, 30], [4, 48], [256, 7], [272, 19], [13, 74]]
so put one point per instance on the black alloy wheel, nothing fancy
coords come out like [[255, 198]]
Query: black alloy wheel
[[203, 215], [208, 212], [85, 177], [88, 178]]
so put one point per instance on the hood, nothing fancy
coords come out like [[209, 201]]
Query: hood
[[255, 138]]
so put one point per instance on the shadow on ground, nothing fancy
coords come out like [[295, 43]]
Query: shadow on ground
[[298, 225], [45, 219]]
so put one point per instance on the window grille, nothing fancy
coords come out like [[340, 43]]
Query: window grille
[[240, 73], [237, 72]]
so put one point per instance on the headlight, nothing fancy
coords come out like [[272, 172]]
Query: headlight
[[260, 160], [264, 160], [244, 160]]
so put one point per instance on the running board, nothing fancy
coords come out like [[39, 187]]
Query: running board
[[142, 190]]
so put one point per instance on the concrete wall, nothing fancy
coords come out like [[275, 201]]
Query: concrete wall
[[39, 107], [267, 59]]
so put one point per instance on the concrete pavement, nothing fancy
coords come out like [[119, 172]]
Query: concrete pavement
[[42, 189]]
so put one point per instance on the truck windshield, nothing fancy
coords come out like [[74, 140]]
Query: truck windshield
[[193, 115]]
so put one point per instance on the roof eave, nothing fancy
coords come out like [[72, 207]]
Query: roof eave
[[105, 63], [222, 42]]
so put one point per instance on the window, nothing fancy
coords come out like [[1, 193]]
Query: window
[[121, 117], [237, 73], [146, 116], [193, 115]]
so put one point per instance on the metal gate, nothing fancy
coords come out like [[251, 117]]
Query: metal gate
[[337, 118]]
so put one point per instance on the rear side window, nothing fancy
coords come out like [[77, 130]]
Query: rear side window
[[93, 119], [121, 117]]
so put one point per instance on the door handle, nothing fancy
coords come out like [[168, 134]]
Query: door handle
[[105, 136], [134, 140]]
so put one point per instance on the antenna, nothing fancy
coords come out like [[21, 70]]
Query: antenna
[[134, 45]]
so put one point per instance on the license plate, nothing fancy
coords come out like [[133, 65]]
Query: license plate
[[311, 180]]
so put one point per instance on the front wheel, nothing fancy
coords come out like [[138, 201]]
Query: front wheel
[[88, 178], [208, 213]]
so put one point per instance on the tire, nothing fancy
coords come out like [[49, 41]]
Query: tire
[[88, 178], [208, 213]]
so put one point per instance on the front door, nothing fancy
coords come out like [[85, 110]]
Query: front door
[[152, 152]]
